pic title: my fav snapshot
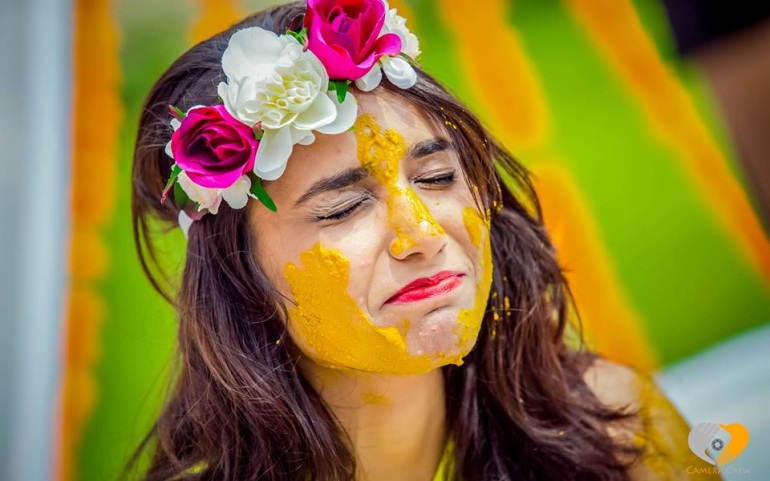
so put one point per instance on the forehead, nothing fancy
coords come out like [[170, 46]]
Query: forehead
[[329, 154]]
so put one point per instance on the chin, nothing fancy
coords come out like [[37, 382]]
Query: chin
[[435, 334]]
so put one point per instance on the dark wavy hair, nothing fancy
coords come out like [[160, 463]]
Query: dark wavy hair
[[518, 408]]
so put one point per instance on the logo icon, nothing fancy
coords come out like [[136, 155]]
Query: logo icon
[[718, 444]]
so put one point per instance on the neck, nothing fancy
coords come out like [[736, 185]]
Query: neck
[[396, 424]]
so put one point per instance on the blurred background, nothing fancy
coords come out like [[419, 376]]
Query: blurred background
[[645, 124]]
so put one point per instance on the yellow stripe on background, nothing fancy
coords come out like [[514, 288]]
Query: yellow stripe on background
[[498, 70], [611, 326], [96, 123], [403, 9], [615, 27], [214, 16], [504, 79]]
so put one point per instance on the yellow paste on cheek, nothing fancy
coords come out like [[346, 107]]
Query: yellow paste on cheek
[[469, 320], [380, 153], [328, 319]]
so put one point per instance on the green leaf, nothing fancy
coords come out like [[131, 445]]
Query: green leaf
[[175, 171], [180, 196], [258, 191], [409, 59], [341, 87], [177, 112], [298, 36], [258, 134]]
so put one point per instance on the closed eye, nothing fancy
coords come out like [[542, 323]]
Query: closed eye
[[341, 214], [446, 179]]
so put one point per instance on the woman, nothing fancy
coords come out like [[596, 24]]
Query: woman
[[377, 301]]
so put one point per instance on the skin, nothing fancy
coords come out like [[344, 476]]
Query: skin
[[375, 364], [660, 429]]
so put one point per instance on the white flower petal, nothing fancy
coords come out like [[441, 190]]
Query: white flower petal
[[346, 115], [302, 137], [185, 222], [168, 149], [249, 51], [206, 197], [175, 123], [238, 194], [395, 23], [273, 153], [224, 92], [214, 206], [399, 71], [371, 80], [238, 97], [272, 84], [321, 112]]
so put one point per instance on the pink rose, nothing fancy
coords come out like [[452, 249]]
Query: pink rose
[[345, 35], [213, 148]]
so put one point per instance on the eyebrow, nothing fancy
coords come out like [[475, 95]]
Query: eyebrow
[[352, 175]]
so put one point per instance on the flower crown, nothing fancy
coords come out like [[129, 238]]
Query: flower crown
[[279, 89]]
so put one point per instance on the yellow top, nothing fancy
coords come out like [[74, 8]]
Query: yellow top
[[443, 464], [439, 476]]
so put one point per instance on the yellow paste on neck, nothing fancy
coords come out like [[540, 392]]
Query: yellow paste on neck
[[328, 318], [374, 399]]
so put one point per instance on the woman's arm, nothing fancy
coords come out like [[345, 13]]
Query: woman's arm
[[659, 429]]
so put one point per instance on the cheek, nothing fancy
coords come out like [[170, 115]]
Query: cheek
[[455, 332], [329, 326], [357, 244], [469, 322]]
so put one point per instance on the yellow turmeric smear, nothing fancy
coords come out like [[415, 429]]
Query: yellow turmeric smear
[[328, 318], [375, 399], [335, 327], [469, 320], [379, 153]]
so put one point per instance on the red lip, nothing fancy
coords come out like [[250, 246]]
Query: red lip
[[426, 287]]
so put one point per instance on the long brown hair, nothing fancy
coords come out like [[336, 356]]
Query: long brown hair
[[517, 408]]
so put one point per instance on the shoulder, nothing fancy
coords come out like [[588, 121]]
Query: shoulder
[[658, 428], [614, 384]]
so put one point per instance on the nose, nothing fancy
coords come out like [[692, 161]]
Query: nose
[[415, 229]]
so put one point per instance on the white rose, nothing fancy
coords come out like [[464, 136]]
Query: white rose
[[270, 79], [207, 197], [399, 71]]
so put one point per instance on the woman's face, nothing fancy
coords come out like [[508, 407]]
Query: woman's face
[[360, 216]]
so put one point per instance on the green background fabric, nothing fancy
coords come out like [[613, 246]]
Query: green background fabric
[[684, 274]]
